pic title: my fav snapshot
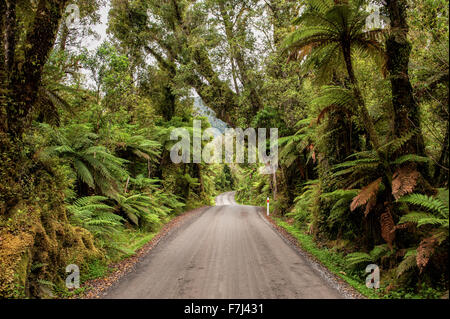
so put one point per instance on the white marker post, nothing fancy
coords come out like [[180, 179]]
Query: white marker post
[[267, 206]]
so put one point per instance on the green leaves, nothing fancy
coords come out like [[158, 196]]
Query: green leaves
[[326, 31], [427, 202], [93, 164], [358, 258], [335, 95], [145, 210], [410, 158], [95, 215], [83, 173], [408, 262]]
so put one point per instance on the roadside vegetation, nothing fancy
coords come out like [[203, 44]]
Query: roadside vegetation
[[363, 175]]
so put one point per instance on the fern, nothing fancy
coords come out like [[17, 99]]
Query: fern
[[357, 258], [394, 145], [410, 158], [413, 217], [354, 259], [335, 95], [429, 203], [408, 262], [95, 215], [93, 164], [436, 215], [324, 29]]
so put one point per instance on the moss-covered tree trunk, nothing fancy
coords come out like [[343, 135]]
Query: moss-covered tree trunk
[[24, 71], [406, 109], [36, 239]]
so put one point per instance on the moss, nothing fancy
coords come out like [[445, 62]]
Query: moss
[[34, 228], [15, 262]]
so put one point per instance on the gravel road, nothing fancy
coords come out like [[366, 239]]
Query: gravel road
[[228, 252]]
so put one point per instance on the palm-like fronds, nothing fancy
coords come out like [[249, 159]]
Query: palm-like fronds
[[436, 216], [139, 145], [49, 105], [335, 95], [342, 199], [141, 209], [93, 214], [437, 212], [408, 262], [367, 163], [358, 171], [148, 203], [410, 158], [93, 164], [304, 203], [293, 146], [325, 30], [357, 258]]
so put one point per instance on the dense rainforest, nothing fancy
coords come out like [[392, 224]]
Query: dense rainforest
[[357, 89]]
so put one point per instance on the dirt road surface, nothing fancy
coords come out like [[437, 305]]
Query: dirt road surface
[[228, 252]]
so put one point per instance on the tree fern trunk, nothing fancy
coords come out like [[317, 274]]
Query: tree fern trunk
[[441, 172], [368, 123]]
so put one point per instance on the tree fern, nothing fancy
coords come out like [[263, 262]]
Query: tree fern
[[93, 164], [324, 28], [357, 258], [95, 215], [432, 204]]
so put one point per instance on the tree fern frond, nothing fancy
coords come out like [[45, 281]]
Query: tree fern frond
[[427, 202], [408, 262], [83, 173], [354, 259], [410, 158]]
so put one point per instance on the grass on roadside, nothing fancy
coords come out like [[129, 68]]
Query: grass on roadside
[[333, 261]]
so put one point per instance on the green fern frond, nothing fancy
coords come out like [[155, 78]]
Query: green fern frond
[[410, 158], [413, 217], [427, 202], [408, 262], [357, 258], [394, 145]]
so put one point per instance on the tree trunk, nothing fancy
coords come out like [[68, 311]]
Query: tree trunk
[[368, 123], [10, 34], [406, 110], [24, 81], [3, 72], [441, 172], [64, 36]]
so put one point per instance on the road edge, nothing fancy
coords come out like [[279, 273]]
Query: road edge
[[345, 289], [97, 288]]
